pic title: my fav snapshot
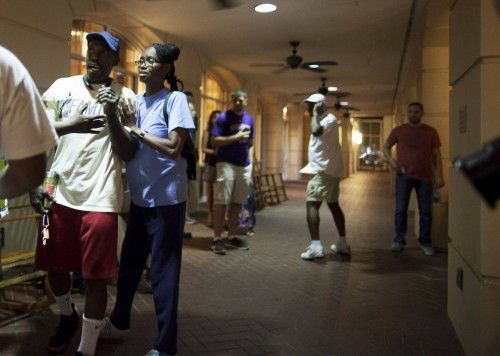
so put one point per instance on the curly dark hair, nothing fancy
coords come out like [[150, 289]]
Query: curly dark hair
[[169, 53]]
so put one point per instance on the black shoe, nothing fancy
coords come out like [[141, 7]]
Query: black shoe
[[218, 247], [68, 326], [238, 243]]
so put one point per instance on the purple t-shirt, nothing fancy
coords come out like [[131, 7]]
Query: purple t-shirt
[[228, 123]]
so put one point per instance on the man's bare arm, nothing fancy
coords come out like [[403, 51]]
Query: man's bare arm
[[22, 175]]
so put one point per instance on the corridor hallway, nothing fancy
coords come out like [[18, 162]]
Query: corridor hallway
[[269, 301]]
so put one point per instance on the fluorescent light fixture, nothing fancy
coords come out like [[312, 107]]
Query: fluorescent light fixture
[[265, 8], [333, 88], [313, 66], [344, 103]]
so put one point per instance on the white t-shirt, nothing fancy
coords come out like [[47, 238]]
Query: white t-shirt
[[25, 129], [89, 171], [325, 154]]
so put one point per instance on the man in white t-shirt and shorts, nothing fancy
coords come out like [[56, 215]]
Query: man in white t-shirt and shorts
[[26, 133], [326, 166], [83, 219]]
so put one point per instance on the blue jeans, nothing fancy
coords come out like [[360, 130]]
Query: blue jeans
[[423, 188]]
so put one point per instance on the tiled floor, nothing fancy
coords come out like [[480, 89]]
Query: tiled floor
[[268, 301]]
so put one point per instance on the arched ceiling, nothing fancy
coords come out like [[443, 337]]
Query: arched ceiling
[[366, 38]]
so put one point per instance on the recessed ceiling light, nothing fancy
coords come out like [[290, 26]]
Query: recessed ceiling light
[[333, 88], [313, 66], [265, 8], [344, 103]]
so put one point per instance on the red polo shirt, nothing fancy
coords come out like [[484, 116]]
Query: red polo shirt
[[414, 145]]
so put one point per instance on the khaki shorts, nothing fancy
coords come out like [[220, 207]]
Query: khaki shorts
[[323, 187], [232, 183]]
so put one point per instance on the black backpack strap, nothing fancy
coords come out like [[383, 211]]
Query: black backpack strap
[[188, 150]]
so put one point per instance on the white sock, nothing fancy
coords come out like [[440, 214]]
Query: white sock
[[64, 304], [316, 244], [90, 334]]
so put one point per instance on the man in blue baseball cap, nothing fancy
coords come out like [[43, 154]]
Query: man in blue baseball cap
[[84, 216]]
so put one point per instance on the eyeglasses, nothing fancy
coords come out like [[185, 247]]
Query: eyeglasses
[[149, 61]]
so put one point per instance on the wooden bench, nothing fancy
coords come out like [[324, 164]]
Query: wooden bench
[[279, 187], [269, 189], [17, 259]]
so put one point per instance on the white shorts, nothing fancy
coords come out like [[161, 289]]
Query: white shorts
[[232, 183]]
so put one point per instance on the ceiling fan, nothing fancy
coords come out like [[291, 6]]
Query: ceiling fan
[[338, 105], [224, 4], [217, 4], [323, 89], [294, 61]]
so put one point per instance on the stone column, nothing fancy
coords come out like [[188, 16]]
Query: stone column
[[434, 95], [474, 247]]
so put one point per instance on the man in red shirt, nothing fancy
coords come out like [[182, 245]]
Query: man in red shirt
[[418, 165]]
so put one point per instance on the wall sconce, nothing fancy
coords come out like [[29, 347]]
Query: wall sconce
[[357, 137], [285, 114]]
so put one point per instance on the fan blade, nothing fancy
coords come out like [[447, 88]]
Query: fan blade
[[320, 63], [281, 70], [316, 70], [335, 107], [339, 94], [342, 107], [267, 65], [224, 4], [301, 94]]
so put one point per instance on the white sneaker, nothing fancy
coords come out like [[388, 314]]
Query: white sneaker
[[341, 247], [397, 247], [428, 250], [109, 331], [312, 253], [190, 220]]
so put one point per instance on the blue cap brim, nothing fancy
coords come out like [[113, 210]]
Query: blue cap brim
[[112, 41]]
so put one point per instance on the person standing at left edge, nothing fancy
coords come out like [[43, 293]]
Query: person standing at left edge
[[83, 219], [22, 115]]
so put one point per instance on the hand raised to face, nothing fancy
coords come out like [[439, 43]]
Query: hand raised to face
[[319, 108]]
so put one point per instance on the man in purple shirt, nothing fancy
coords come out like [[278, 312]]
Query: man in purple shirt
[[232, 135]]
